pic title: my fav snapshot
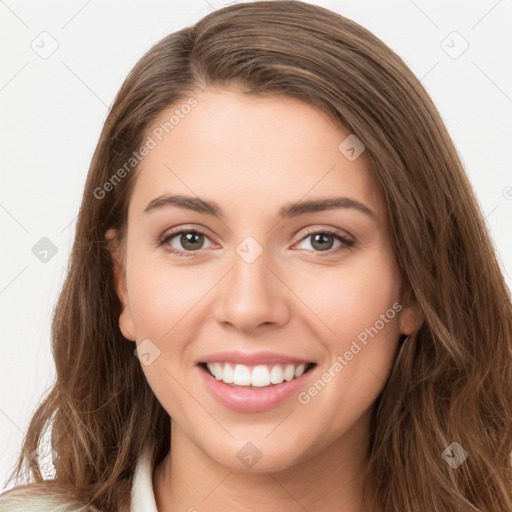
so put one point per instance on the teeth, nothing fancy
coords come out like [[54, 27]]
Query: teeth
[[242, 375], [226, 373], [300, 370], [259, 376]]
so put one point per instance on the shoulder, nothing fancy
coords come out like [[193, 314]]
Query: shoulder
[[136, 493], [31, 498], [36, 497]]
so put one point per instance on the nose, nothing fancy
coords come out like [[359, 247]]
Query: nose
[[252, 294]]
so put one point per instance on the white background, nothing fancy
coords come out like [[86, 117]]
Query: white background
[[52, 111]]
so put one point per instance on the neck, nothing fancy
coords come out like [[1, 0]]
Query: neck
[[330, 480]]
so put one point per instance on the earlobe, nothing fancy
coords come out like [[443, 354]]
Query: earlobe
[[411, 316], [410, 319], [126, 324]]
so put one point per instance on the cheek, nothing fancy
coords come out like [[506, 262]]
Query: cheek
[[361, 311], [350, 298], [164, 302], [162, 297], [364, 315], [359, 308]]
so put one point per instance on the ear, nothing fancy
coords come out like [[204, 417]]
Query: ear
[[411, 316], [126, 323]]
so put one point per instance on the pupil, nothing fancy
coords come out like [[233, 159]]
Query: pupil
[[188, 240], [319, 237]]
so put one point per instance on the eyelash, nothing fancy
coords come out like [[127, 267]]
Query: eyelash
[[346, 242]]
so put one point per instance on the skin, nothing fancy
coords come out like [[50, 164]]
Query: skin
[[252, 156]]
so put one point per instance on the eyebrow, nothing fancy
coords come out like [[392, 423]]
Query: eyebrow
[[290, 210]]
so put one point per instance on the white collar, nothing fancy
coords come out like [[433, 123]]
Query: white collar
[[142, 494]]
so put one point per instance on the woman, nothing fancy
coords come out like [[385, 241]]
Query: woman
[[282, 293]]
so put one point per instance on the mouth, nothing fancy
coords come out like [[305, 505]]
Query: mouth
[[255, 377], [254, 389]]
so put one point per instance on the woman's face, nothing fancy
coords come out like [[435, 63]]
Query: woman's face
[[262, 276]]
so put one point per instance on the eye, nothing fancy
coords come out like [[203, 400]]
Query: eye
[[323, 240], [191, 240]]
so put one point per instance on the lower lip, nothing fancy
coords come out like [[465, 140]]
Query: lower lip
[[252, 400]]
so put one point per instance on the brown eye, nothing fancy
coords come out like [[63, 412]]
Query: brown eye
[[191, 241], [188, 241], [324, 242]]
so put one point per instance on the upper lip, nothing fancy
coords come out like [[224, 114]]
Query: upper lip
[[254, 358]]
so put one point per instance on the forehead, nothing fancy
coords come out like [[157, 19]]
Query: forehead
[[250, 153]]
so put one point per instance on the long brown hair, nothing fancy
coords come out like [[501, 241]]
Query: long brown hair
[[451, 381]]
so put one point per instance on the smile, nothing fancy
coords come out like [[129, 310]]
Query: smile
[[248, 397], [256, 376]]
